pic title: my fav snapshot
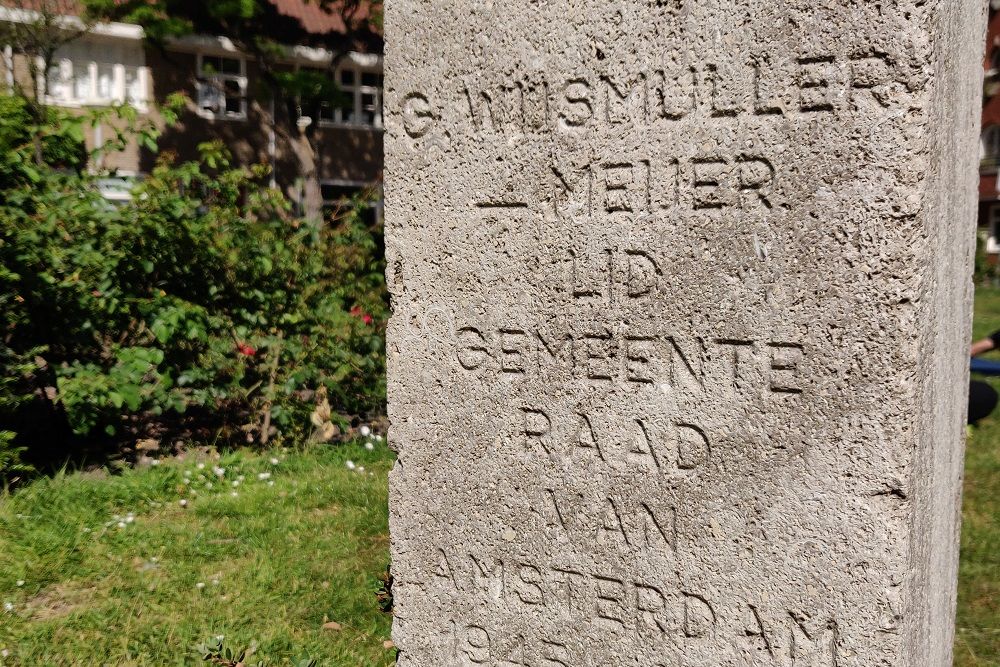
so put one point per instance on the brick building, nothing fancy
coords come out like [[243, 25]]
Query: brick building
[[989, 192], [228, 97]]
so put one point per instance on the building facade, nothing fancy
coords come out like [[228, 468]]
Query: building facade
[[227, 99], [989, 192]]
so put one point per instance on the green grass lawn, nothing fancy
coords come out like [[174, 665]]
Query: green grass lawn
[[114, 570], [977, 640]]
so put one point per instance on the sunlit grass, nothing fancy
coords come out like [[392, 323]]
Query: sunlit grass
[[98, 569], [977, 640]]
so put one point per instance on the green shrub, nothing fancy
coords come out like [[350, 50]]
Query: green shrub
[[60, 141], [201, 304]]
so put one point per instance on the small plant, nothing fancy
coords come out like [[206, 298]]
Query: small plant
[[215, 652], [383, 593]]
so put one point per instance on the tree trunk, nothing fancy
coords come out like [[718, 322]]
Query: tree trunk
[[312, 194]]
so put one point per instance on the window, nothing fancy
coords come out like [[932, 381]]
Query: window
[[222, 87], [992, 247], [135, 86], [991, 143], [337, 195], [362, 103], [78, 82], [117, 189], [98, 74]]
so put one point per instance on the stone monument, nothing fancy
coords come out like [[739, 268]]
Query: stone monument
[[681, 314]]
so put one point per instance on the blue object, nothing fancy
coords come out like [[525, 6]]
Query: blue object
[[984, 366]]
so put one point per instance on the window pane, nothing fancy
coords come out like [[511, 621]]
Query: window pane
[[211, 65], [369, 79], [347, 77], [81, 80], [230, 66], [234, 97], [105, 81], [133, 86]]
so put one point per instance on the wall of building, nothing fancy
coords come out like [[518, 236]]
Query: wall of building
[[343, 154], [267, 133]]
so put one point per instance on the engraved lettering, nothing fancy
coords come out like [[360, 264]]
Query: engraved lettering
[[710, 177], [785, 358], [611, 527], [693, 448], [611, 602], [598, 354], [699, 617], [619, 103], [586, 439], [578, 109], [642, 452], [814, 83], [418, 117], [531, 591], [651, 611], [536, 428], [755, 175], [617, 181], [643, 273], [488, 579], [638, 350], [472, 351], [512, 356]]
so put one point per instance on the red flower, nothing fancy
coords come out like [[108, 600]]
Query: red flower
[[245, 350], [365, 317]]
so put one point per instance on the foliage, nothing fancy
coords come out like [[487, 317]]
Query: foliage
[[215, 652], [986, 272], [383, 591], [10, 456], [62, 142], [201, 298]]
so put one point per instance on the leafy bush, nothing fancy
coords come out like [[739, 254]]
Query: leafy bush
[[201, 304], [60, 142]]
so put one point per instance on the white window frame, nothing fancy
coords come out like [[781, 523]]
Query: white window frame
[[8, 65], [355, 92], [64, 69], [214, 79], [127, 178]]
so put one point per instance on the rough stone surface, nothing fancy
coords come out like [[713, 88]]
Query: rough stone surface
[[678, 359]]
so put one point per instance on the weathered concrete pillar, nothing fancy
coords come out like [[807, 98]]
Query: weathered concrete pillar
[[678, 359]]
